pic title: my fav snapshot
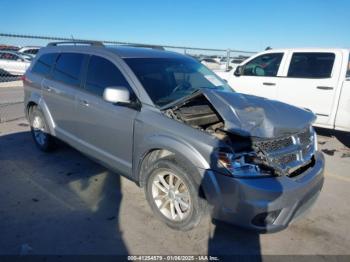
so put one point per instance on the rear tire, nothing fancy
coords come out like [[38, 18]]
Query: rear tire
[[173, 195], [40, 131]]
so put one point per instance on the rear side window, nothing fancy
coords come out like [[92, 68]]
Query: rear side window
[[68, 68], [102, 73], [311, 65], [9, 56], [44, 64], [264, 65]]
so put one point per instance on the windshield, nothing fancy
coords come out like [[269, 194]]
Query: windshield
[[169, 79]]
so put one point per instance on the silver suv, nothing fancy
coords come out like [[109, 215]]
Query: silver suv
[[171, 125]]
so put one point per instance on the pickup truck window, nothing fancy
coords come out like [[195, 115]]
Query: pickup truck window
[[264, 65], [311, 65]]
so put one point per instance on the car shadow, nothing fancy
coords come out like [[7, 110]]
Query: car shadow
[[71, 205], [239, 206], [228, 240], [343, 137], [64, 203]]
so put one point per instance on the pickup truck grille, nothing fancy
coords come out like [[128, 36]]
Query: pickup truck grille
[[287, 154]]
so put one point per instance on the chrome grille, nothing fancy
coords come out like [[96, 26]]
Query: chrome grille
[[288, 153], [276, 144], [305, 137], [285, 159]]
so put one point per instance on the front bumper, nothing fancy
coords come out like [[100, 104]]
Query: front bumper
[[263, 204]]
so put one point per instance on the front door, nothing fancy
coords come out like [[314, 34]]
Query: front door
[[106, 129], [259, 76]]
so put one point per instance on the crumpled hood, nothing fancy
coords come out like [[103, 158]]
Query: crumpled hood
[[254, 116]]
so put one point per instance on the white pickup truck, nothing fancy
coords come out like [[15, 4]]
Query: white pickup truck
[[316, 79]]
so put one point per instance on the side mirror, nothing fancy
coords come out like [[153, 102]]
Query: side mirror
[[229, 69], [238, 71], [116, 94]]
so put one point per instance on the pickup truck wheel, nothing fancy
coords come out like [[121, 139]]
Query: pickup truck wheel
[[39, 130], [173, 195]]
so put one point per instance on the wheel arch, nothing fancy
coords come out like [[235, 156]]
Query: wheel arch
[[36, 100], [162, 147]]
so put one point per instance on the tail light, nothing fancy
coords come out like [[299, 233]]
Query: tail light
[[24, 78]]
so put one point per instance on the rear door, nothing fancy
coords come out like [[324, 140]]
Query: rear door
[[59, 92], [310, 81], [342, 120], [260, 76], [106, 129]]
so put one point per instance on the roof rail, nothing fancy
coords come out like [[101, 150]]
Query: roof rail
[[91, 43], [158, 47]]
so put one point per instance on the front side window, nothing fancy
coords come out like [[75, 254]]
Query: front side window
[[101, 74], [264, 65], [68, 68], [44, 64], [311, 65], [169, 79]]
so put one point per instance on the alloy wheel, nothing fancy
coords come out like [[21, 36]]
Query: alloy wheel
[[171, 195], [38, 126]]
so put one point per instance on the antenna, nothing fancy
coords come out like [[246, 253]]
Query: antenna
[[73, 39]]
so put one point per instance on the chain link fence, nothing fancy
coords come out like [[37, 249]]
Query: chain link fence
[[11, 111], [17, 52]]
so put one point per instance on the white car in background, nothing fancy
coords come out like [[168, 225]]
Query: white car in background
[[211, 63], [14, 63], [315, 79], [234, 62], [29, 50]]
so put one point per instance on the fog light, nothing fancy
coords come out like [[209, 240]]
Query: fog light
[[266, 219]]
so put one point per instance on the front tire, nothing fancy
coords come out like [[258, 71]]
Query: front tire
[[39, 129], [173, 195]]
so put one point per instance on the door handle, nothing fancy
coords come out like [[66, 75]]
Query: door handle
[[269, 84], [325, 87], [47, 88], [84, 102]]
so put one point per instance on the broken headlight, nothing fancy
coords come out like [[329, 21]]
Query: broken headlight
[[243, 165]]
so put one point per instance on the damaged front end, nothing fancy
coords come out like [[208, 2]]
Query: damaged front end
[[262, 137]]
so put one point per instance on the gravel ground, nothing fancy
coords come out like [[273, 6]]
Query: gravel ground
[[63, 203], [11, 101]]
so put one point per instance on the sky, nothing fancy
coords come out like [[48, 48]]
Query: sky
[[244, 25]]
